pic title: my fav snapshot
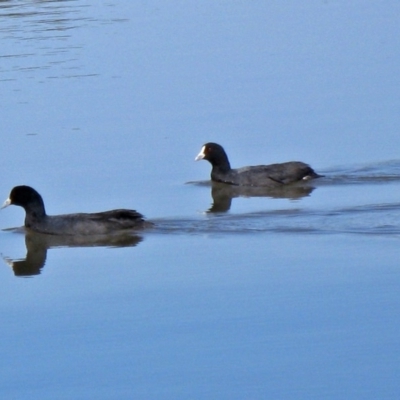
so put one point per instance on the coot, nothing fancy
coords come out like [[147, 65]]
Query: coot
[[102, 223], [272, 175]]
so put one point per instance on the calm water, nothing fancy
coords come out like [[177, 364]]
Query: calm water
[[234, 294]]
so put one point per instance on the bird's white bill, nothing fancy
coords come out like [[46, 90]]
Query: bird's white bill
[[6, 203], [201, 155]]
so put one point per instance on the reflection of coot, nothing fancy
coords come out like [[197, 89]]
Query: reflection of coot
[[35, 258], [223, 194], [37, 245], [273, 175], [102, 223]]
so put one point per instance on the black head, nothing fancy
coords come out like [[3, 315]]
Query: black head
[[215, 154], [24, 196]]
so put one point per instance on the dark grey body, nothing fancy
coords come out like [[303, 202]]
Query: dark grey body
[[265, 175], [102, 223]]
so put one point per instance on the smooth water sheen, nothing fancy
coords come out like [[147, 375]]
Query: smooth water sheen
[[235, 293]]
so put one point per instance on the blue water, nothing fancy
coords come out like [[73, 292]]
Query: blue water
[[233, 295]]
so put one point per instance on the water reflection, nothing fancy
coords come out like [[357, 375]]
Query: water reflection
[[37, 245], [223, 194], [37, 36]]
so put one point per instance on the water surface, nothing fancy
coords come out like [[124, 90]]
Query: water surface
[[234, 294]]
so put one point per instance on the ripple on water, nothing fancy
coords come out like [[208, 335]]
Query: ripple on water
[[376, 219], [367, 218], [38, 40]]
